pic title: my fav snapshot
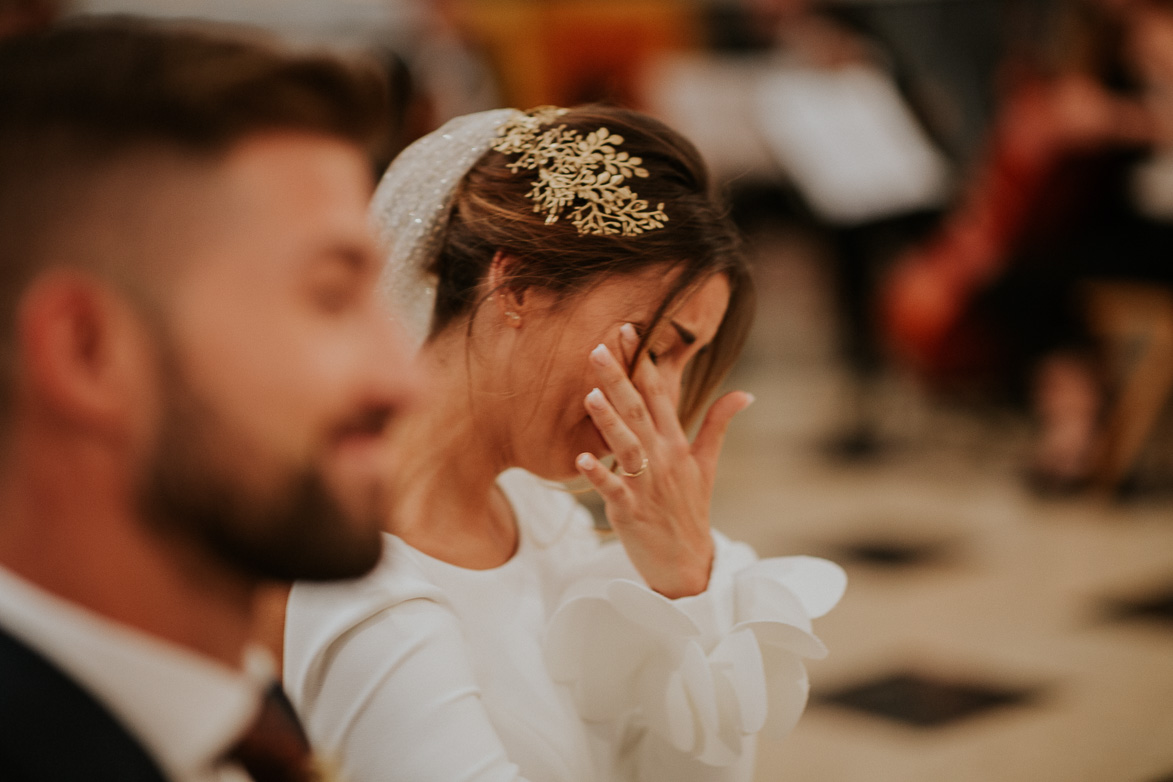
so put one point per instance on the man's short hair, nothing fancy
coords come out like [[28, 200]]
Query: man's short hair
[[118, 82], [77, 98]]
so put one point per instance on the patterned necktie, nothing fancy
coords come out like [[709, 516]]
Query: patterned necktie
[[275, 748]]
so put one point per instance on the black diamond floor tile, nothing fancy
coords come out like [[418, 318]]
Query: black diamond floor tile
[[892, 553], [1155, 607], [924, 701]]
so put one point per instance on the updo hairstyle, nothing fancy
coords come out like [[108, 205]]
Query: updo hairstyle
[[492, 211]]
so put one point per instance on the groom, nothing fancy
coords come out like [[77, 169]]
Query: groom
[[195, 377]]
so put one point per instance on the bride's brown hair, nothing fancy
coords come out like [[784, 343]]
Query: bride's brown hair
[[492, 211]]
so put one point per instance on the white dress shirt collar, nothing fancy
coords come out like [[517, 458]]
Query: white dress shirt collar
[[186, 710]]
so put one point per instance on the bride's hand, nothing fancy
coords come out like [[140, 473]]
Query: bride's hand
[[658, 499]]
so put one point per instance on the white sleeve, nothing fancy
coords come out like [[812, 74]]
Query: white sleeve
[[398, 701], [702, 676]]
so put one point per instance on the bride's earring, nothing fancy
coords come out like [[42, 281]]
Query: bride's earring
[[511, 315]]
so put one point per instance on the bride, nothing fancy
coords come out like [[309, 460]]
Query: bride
[[577, 294]]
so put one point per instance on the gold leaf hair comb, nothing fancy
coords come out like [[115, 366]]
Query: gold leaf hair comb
[[582, 176]]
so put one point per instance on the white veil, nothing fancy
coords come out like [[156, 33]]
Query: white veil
[[409, 211]]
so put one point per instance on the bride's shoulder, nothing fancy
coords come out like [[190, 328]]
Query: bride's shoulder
[[396, 601], [396, 579]]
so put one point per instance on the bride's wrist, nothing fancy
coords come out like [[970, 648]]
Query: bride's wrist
[[688, 579]]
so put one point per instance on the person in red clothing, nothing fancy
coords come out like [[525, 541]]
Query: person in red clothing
[[995, 294]]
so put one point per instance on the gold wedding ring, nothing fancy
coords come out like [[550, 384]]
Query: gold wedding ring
[[642, 469]]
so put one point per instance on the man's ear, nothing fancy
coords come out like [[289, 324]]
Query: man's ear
[[84, 352], [508, 297]]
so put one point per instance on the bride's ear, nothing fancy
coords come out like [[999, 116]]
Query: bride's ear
[[508, 298]]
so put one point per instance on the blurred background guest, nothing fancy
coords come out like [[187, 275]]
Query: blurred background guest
[[1070, 193], [848, 122]]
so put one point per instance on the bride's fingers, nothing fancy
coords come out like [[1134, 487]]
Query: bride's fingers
[[628, 343], [624, 398], [629, 452], [707, 445], [650, 384], [609, 486]]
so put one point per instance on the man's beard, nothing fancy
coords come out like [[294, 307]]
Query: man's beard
[[296, 529]]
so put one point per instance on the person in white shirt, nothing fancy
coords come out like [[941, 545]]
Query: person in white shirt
[[195, 379], [578, 294]]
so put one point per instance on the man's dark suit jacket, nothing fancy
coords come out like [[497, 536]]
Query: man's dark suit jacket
[[52, 730]]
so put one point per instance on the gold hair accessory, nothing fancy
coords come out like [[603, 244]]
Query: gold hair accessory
[[581, 175]]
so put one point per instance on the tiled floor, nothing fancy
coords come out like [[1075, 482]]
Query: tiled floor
[[985, 635]]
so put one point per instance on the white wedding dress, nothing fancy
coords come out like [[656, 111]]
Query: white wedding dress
[[558, 666]]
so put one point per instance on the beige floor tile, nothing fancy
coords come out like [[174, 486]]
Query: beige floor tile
[[1016, 596]]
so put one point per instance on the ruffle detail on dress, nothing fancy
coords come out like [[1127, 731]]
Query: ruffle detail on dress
[[627, 652]]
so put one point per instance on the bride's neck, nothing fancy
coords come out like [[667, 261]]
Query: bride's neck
[[444, 489]]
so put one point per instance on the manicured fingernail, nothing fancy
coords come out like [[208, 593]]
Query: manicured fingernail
[[585, 461], [628, 332], [595, 398], [600, 354], [749, 400]]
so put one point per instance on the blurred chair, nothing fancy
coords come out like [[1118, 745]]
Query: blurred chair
[[510, 31], [598, 49], [574, 51]]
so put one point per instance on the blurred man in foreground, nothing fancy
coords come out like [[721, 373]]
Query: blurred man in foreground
[[195, 378]]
